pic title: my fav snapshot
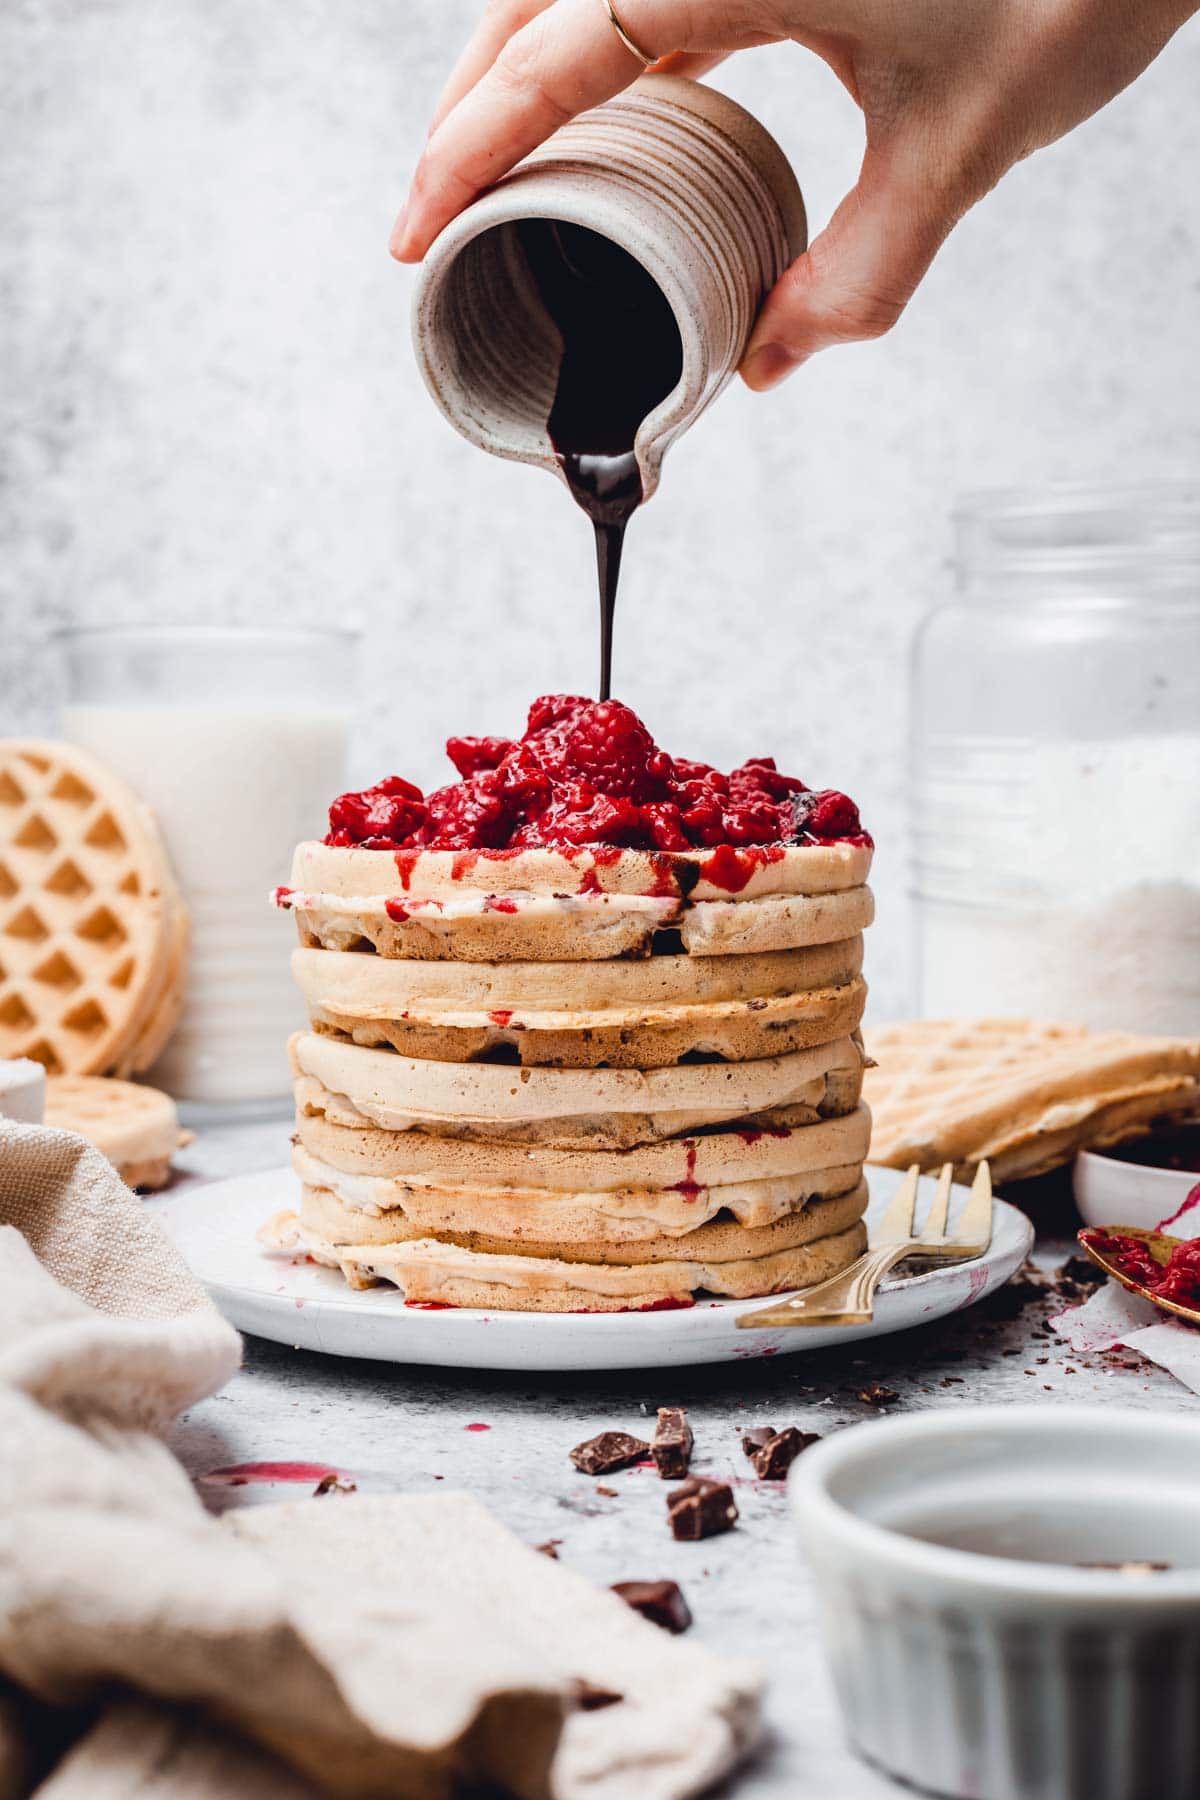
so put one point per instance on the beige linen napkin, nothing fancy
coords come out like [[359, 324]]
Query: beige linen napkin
[[398, 1645]]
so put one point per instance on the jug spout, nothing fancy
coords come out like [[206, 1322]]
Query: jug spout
[[678, 178]]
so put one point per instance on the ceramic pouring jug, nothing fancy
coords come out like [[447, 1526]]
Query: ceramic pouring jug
[[681, 178]]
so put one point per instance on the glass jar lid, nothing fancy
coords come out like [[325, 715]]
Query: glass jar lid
[[1065, 540]]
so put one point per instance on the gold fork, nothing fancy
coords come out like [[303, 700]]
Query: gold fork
[[848, 1298]]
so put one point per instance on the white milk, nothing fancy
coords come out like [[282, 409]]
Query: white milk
[[1070, 889], [234, 790]]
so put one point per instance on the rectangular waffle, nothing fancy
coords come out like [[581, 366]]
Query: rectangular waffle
[[1019, 1093]]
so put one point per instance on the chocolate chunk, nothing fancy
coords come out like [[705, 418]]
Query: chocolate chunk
[[875, 1394], [333, 1484], [774, 1458], [700, 1508], [609, 1493], [673, 1443], [659, 1601], [753, 1440], [610, 1450], [549, 1548], [590, 1698]]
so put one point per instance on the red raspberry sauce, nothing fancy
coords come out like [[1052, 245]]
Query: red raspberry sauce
[[587, 775]]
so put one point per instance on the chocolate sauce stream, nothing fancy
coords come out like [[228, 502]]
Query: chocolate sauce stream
[[622, 355]]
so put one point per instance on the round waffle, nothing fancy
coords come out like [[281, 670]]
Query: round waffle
[[543, 906], [518, 1217], [431, 1271], [92, 928], [707, 1164], [136, 1127], [632, 1015], [608, 1109], [480, 1227]]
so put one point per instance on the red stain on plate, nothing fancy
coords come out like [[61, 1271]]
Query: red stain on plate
[[477, 1427]]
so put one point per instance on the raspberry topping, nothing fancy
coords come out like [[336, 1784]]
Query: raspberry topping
[[1177, 1279], [588, 772]]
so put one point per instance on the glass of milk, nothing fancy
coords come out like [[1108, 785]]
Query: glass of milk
[[1056, 763], [238, 740]]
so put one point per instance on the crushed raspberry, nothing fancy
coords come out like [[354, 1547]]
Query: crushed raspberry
[[470, 754], [827, 814], [611, 750], [391, 810], [588, 773], [1177, 1279]]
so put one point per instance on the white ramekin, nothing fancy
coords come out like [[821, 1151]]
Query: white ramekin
[[1111, 1192], [994, 1676]]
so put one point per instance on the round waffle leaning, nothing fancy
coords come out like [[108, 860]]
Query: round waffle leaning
[[92, 928]]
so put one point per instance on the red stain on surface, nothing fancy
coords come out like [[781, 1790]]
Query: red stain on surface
[[477, 1427], [432, 1305], [242, 1474]]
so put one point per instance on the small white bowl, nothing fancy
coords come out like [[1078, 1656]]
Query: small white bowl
[[1111, 1192], [971, 1653]]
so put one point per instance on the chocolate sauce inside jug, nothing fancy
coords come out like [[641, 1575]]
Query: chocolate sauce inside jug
[[622, 355]]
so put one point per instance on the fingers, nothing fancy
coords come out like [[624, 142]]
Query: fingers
[[694, 64], [501, 19], [564, 59], [855, 279]]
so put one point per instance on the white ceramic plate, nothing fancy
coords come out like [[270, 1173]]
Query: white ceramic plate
[[293, 1301]]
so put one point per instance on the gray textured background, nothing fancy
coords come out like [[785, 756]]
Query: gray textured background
[[211, 411]]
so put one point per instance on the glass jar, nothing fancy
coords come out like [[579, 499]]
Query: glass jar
[[1056, 764], [237, 739]]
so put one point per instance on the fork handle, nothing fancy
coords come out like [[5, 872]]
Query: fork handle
[[842, 1299]]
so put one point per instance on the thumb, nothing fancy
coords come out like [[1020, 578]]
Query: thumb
[[855, 279]]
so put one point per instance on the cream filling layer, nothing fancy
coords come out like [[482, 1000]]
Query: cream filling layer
[[345, 1140], [550, 1216], [441, 874]]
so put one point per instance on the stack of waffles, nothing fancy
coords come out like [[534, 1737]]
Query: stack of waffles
[[593, 1080], [93, 935]]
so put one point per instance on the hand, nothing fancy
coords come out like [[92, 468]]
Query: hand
[[953, 92]]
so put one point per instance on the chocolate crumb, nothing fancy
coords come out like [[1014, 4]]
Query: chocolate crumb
[[753, 1440], [333, 1484], [673, 1443], [700, 1508], [875, 1394], [609, 1493], [591, 1698], [549, 1548], [659, 1601], [608, 1451], [773, 1459]]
